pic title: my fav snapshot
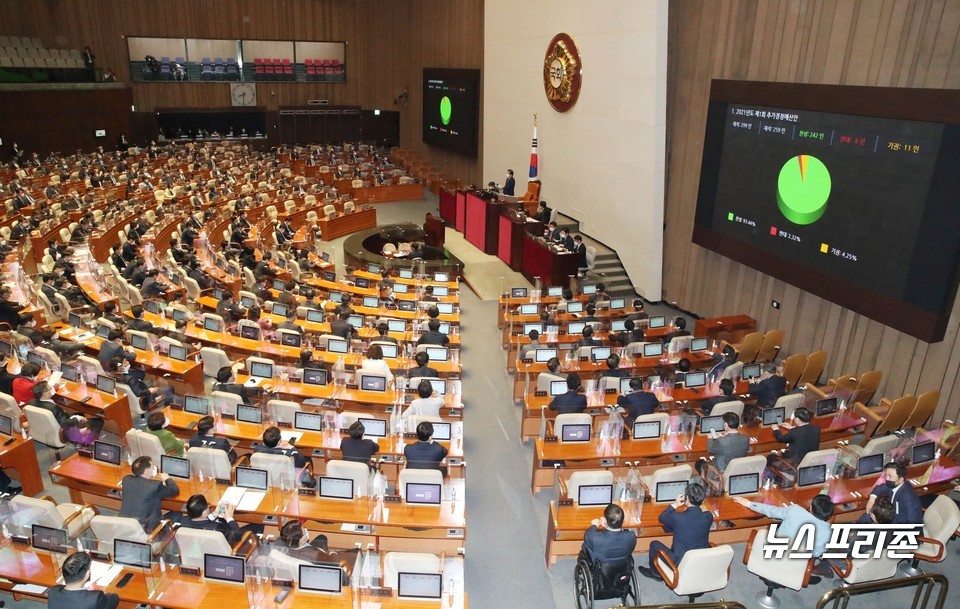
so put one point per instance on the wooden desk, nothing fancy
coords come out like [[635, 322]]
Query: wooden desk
[[91, 401], [21, 456], [391, 192], [666, 450], [566, 524], [736, 326], [396, 527], [553, 268], [347, 224]]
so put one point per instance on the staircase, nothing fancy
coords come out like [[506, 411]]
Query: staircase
[[607, 267]]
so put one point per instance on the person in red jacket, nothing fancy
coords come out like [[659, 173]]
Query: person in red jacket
[[23, 384]]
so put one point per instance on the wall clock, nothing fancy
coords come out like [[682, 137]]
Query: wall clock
[[243, 94]]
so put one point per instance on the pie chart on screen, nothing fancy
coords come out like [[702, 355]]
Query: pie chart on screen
[[803, 189]]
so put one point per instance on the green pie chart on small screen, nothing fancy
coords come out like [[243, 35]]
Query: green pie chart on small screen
[[803, 189], [446, 110]]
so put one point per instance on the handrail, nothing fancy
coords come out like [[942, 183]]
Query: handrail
[[720, 604], [839, 598]]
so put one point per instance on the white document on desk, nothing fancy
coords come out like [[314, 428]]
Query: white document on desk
[[29, 589], [251, 500], [233, 495], [102, 573]]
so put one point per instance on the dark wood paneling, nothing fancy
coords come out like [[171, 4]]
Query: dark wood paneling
[[894, 43]]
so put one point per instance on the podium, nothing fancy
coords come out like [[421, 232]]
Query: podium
[[539, 260]]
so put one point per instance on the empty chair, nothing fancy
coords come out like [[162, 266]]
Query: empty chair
[[283, 411], [662, 417], [329, 211], [358, 472], [10, 408], [940, 522], [867, 386], [213, 360], [750, 347], [281, 471], [733, 371], [72, 517], [395, 563], [108, 528], [789, 403], [793, 368], [770, 347], [875, 446], [194, 543], [285, 566], [417, 476], [751, 464], [862, 570], [890, 420], [816, 362], [586, 478], [923, 410], [210, 462], [225, 402], [734, 406], [699, 571], [774, 571]]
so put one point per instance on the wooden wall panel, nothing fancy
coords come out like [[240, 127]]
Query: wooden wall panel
[[388, 44], [894, 43]]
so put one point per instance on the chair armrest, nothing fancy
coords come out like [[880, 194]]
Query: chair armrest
[[563, 487], [550, 431], [47, 498], [240, 460], [808, 572], [78, 513], [716, 480], [163, 527], [873, 417], [746, 553], [673, 577], [936, 557], [787, 465], [847, 567], [306, 468], [249, 541], [816, 390]]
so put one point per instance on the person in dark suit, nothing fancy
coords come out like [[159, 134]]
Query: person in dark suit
[[690, 528], [907, 508], [300, 546], [228, 309], [606, 541], [580, 249], [143, 492], [588, 340], [726, 395], [510, 184], [800, 440], [274, 444], [726, 357], [565, 239], [571, 401], [204, 438], [113, 347], [730, 443], [543, 212], [341, 327], [226, 381], [422, 368], [356, 447], [613, 367], [433, 335], [638, 402], [631, 334], [28, 328], [9, 310], [73, 594], [681, 330], [770, 388], [425, 453], [198, 516], [138, 323]]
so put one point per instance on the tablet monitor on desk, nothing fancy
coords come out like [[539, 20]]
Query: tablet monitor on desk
[[518, 292], [575, 306], [308, 421], [576, 327], [211, 324], [589, 495], [262, 370], [356, 321], [48, 538], [373, 382], [291, 339], [374, 269], [374, 428], [338, 345], [693, 380], [179, 314], [35, 358], [371, 302], [315, 315], [708, 424], [558, 388], [390, 350], [441, 277], [248, 477], [69, 373], [6, 425], [774, 416], [646, 430], [406, 305], [314, 376], [249, 414], [103, 331], [625, 385], [749, 371], [527, 327], [419, 585], [657, 321], [196, 405], [441, 290], [177, 352], [814, 475], [618, 303], [250, 332], [438, 354], [698, 344], [335, 488], [320, 578], [542, 356], [401, 288], [421, 493], [442, 431], [280, 309], [826, 407], [577, 432], [325, 256], [618, 325], [131, 553], [329, 276], [246, 302], [175, 467], [869, 465], [444, 328], [554, 291], [744, 484], [362, 282], [7, 348], [445, 308], [139, 342], [228, 569], [218, 292], [106, 384], [599, 354], [589, 289], [529, 309], [106, 452], [74, 320], [336, 297], [406, 274], [923, 453], [652, 350], [667, 492]]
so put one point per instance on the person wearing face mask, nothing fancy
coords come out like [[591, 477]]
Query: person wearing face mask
[[907, 508], [72, 594], [157, 425], [510, 184], [143, 492], [201, 515], [565, 240], [299, 545]]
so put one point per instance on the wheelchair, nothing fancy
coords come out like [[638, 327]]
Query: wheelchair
[[594, 580]]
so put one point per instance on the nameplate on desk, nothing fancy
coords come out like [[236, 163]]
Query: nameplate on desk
[[608, 462], [609, 391], [294, 379], [410, 390], [282, 582], [318, 452], [454, 412], [680, 457], [386, 459], [391, 498], [306, 490], [594, 410], [564, 502], [103, 556], [454, 461], [284, 424], [175, 406], [380, 591], [539, 394], [527, 360], [550, 438], [228, 417], [584, 359], [194, 571], [454, 532], [409, 435], [85, 452], [389, 409], [223, 481], [362, 528]]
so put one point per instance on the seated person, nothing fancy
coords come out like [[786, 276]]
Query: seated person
[[613, 367], [157, 424], [726, 357], [23, 384], [428, 294], [690, 528], [907, 508], [74, 593], [274, 444], [588, 340], [681, 370], [681, 330], [425, 453], [726, 395], [638, 402], [28, 328], [555, 368], [571, 401], [65, 349], [143, 492], [729, 444], [382, 334], [290, 323], [138, 322], [534, 344], [606, 541], [770, 387], [422, 368], [341, 327], [426, 403], [201, 515], [297, 543], [375, 364], [227, 381], [205, 438], [433, 335], [631, 334], [357, 448]]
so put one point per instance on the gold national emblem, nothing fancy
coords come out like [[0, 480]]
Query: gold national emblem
[[561, 73]]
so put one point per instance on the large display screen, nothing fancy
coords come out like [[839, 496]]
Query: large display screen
[[450, 109], [846, 192]]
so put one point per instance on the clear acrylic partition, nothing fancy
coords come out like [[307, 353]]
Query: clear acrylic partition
[[452, 583], [19, 518], [258, 572]]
